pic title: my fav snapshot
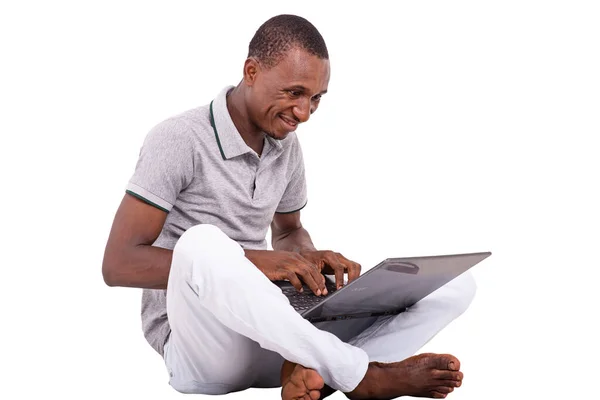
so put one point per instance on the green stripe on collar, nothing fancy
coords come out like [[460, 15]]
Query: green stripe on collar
[[214, 126]]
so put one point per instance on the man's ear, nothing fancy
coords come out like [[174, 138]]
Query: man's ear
[[251, 69]]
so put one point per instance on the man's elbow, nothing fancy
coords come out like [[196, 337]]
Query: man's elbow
[[108, 275], [110, 266]]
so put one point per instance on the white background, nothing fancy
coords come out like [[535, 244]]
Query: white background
[[449, 126]]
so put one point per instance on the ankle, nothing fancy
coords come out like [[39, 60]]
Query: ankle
[[367, 388]]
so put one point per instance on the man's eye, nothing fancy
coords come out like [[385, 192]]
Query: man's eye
[[294, 93], [317, 97]]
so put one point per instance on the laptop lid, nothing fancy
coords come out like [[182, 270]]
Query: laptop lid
[[393, 285]]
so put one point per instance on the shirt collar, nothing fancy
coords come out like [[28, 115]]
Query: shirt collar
[[231, 144]]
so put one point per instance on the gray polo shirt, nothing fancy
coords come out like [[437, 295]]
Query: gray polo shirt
[[197, 167]]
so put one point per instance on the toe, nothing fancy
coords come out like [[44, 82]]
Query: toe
[[448, 383], [444, 389], [449, 375], [438, 395], [448, 361]]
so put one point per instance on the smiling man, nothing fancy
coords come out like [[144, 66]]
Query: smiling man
[[191, 231]]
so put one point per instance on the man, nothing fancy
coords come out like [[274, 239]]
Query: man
[[193, 221]]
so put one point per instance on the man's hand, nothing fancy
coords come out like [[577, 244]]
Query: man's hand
[[282, 265], [330, 262]]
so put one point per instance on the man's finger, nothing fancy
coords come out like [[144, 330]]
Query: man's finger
[[352, 267], [338, 268], [353, 271], [315, 272], [320, 279], [305, 271], [339, 276], [293, 278]]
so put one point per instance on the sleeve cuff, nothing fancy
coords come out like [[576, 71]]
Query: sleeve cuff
[[148, 197], [293, 211]]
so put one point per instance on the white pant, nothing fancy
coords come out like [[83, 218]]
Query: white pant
[[231, 328]]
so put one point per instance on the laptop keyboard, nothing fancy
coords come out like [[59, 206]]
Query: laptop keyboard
[[307, 299]]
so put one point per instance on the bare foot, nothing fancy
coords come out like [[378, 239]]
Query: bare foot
[[299, 383], [424, 375]]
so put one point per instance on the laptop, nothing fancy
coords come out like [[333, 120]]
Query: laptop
[[389, 288]]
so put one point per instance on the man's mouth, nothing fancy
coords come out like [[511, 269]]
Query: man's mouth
[[290, 122]]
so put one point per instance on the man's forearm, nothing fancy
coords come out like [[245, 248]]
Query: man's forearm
[[296, 240], [148, 267], [142, 266]]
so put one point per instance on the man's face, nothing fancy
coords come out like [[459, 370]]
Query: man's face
[[287, 94]]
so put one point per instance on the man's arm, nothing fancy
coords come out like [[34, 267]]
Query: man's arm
[[129, 258], [287, 234]]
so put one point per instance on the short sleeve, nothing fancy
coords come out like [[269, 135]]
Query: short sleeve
[[295, 195], [165, 165]]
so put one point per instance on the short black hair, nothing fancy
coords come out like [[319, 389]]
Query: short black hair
[[282, 33]]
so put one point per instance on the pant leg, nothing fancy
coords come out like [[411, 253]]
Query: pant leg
[[397, 337], [224, 313]]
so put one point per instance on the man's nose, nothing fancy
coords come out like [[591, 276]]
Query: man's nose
[[302, 110]]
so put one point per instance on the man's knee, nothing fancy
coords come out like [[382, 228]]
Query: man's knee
[[464, 288], [204, 240], [200, 254], [215, 389], [203, 235]]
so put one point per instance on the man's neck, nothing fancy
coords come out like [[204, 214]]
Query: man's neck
[[236, 107]]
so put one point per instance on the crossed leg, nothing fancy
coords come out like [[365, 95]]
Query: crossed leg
[[391, 342], [232, 328]]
